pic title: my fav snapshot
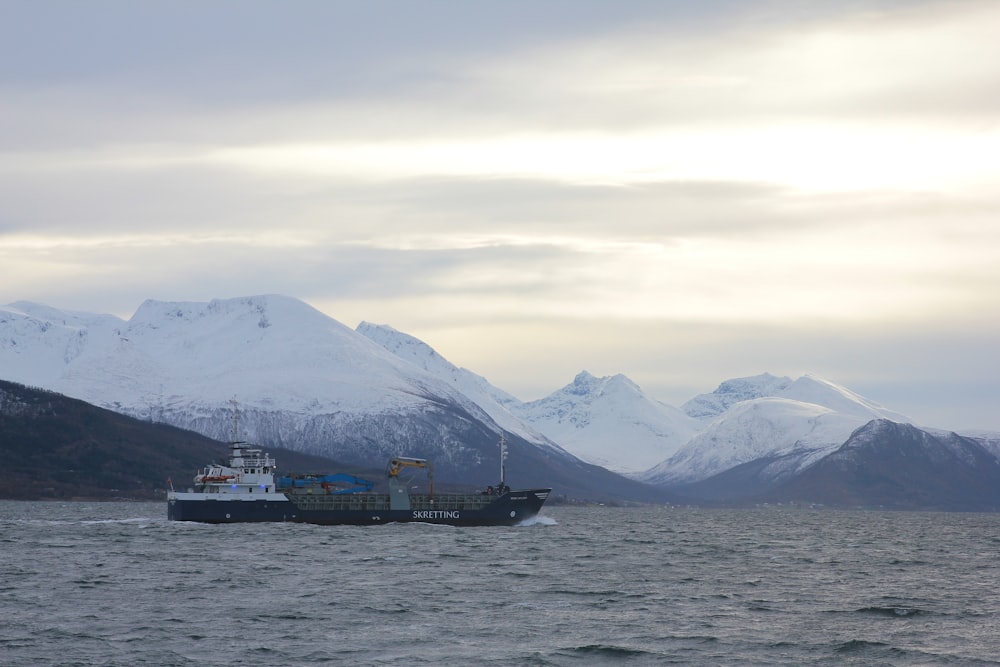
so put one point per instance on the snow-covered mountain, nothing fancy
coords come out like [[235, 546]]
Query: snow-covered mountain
[[607, 421], [495, 402], [272, 352], [886, 464], [807, 389], [765, 417], [303, 380], [38, 342], [610, 422], [707, 407], [756, 429], [816, 390], [306, 382]]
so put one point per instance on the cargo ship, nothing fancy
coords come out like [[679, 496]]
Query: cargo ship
[[248, 489]]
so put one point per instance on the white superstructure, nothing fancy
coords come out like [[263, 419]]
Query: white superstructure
[[249, 475]]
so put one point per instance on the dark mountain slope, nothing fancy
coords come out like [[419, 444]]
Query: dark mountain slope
[[58, 447], [740, 484], [898, 466]]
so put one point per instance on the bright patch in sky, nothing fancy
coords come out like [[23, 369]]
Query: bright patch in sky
[[810, 158]]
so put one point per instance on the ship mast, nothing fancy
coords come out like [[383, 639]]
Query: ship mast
[[236, 421], [503, 459]]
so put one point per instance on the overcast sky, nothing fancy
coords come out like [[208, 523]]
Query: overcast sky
[[683, 192]]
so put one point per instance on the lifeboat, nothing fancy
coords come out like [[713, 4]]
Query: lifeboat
[[216, 478]]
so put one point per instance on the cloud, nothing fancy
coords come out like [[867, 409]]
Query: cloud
[[763, 64], [804, 157], [831, 99], [680, 252], [336, 70]]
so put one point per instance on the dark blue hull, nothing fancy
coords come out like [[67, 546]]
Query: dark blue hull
[[230, 511], [506, 510]]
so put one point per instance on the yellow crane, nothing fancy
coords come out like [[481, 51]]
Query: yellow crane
[[396, 465]]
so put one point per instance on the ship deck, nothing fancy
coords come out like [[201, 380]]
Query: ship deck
[[380, 501]]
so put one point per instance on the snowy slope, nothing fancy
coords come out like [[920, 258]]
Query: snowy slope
[[988, 440], [755, 429], [268, 351], [610, 422], [302, 379], [707, 407], [816, 390], [809, 417], [807, 389], [493, 401], [37, 342]]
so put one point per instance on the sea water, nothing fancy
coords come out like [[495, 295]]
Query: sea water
[[117, 584]]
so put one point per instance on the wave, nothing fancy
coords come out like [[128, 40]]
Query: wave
[[606, 651], [892, 612], [140, 520], [859, 645], [539, 520]]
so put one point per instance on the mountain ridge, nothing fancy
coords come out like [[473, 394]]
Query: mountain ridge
[[588, 413], [307, 381], [900, 466], [303, 381]]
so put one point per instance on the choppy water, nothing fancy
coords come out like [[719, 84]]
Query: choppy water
[[116, 584]]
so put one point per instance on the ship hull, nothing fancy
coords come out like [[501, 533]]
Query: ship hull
[[506, 510], [229, 511]]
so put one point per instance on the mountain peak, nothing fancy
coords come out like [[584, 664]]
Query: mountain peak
[[814, 389], [609, 421], [261, 307], [885, 463], [584, 383], [767, 417], [733, 391], [808, 388]]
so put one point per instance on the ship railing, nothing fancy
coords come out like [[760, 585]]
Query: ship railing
[[451, 501], [380, 501], [250, 462], [356, 501]]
